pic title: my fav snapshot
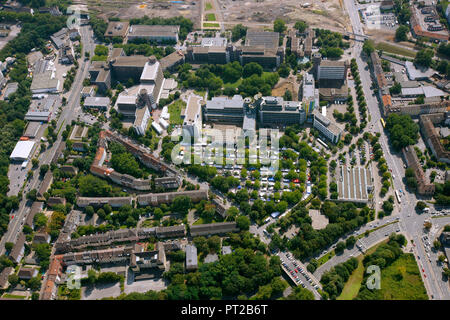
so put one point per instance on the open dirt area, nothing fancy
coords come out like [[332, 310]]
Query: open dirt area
[[281, 88], [319, 221], [137, 9], [252, 13], [256, 13]]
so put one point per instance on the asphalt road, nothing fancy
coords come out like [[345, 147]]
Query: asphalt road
[[411, 223], [68, 113]]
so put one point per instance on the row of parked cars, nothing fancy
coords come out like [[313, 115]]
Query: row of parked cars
[[297, 269]]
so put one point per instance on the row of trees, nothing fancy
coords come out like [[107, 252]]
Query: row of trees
[[343, 218], [403, 131]]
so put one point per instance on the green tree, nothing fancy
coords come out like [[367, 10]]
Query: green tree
[[401, 34], [424, 57], [368, 47], [340, 247], [279, 26], [13, 279], [301, 26], [243, 222]]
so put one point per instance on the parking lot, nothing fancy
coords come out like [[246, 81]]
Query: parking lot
[[374, 19], [234, 160], [297, 272]]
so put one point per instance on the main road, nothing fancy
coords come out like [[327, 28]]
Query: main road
[[68, 114], [410, 222]]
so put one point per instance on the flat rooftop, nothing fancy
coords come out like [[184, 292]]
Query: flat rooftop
[[261, 38], [97, 101], [117, 29], [192, 109], [353, 183], [150, 71], [153, 30]]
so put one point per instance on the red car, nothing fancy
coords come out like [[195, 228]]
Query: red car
[[296, 271], [296, 181]]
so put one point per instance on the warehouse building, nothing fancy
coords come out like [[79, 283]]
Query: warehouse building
[[23, 150], [10, 89], [44, 83], [32, 129]]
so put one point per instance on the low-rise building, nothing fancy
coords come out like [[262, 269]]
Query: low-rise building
[[54, 201], [167, 182], [36, 207], [23, 150], [99, 103], [45, 82], [69, 169], [18, 250], [191, 257], [431, 137], [27, 273], [424, 186], [213, 228], [155, 199], [45, 185], [41, 237], [114, 202], [171, 232], [4, 275], [10, 88], [117, 29]]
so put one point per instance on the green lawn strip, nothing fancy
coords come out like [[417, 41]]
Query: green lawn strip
[[362, 235], [353, 283], [394, 49], [211, 25], [13, 296], [436, 217], [208, 6], [175, 112], [323, 259], [210, 17], [60, 127]]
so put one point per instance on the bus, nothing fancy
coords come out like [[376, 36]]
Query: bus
[[398, 196], [383, 123]]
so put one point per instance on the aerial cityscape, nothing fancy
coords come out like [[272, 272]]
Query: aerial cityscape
[[224, 150]]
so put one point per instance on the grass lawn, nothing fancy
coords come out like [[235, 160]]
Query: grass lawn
[[233, 85], [325, 258], [208, 6], [201, 93], [211, 25], [353, 283], [175, 112], [394, 49], [210, 17], [402, 280], [13, 296]]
